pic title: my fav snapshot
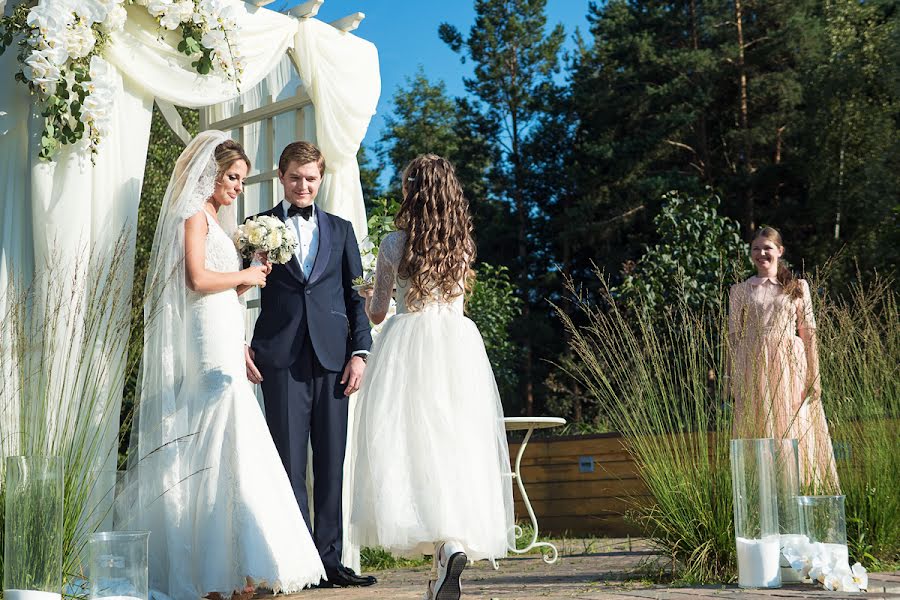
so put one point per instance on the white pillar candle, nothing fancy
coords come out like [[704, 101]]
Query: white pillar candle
[[758, 562]]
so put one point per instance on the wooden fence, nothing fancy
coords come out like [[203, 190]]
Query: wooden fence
[[579, 485]]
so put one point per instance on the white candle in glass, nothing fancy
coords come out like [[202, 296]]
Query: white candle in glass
[[758, 562]]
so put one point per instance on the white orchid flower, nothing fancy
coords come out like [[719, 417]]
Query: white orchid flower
[[832, 583], [80, 39], [860, 576]]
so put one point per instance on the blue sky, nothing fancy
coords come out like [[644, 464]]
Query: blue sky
[[405, 33]]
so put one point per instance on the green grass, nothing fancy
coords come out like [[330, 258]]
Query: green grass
[[379, 559]]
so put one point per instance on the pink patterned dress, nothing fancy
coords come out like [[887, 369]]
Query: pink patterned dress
[[774, 367]]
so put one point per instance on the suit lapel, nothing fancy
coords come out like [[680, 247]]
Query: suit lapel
[[324, 253], [293, 265]]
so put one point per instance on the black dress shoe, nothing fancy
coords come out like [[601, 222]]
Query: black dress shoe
[[345, 577]]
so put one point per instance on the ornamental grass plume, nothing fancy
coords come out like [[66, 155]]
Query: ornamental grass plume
[[63, 350]]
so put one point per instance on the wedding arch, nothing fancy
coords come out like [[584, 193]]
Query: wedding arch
[[79, 81]]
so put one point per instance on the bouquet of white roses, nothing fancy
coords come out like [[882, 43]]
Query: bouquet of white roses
[[266, 235]]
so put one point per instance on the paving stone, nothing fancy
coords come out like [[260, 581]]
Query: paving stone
[[586, 570]]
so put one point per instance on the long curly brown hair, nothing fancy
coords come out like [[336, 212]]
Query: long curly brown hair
[[439, 250]]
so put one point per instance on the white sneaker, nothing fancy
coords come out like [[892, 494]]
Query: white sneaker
[[452, 560]]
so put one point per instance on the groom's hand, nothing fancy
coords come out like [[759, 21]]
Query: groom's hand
[[353, 374], [253, 373]]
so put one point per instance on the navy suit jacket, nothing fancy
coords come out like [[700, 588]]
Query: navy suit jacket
[[324, 308]]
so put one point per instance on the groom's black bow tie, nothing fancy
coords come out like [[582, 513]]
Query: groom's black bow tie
[[303, 211]]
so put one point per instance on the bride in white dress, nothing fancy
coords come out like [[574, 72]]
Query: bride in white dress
[[205, 476], [431, 468]]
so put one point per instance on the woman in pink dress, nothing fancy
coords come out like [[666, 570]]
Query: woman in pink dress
[[775, 362]]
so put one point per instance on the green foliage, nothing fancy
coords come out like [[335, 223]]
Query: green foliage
[[697, 250], [515, 58], [368, 175], [493, 306], [809, 144], [381, 220]]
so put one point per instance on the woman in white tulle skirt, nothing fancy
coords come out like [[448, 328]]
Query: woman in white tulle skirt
[[431, 472]]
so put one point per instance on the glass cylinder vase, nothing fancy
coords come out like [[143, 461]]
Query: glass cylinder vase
[[787, 470], [825, 524], [118, 565], [33, 532], [756, 531]]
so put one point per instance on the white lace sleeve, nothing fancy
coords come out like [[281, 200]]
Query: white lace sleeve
[[386, 270]]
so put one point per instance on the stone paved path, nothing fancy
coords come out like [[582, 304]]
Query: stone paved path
[[587, 570]]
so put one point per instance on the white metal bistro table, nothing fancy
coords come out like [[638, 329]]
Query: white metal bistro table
[[529, 424]]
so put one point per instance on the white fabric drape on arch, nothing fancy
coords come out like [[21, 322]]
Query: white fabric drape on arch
[[337, 70], [68, 205]]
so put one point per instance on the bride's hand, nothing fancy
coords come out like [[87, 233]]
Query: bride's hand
[[256, 275]]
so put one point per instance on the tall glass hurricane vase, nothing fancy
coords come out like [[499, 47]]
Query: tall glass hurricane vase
[[787, 470], [754, 488], [118, 565], [825, 523], [33, 536]]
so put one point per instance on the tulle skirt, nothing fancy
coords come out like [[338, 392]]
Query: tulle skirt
[[431, 461]]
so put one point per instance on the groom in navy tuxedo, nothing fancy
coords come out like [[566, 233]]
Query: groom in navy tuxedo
[[309, 351]]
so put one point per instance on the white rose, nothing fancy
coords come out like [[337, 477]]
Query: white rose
[[256, 236], [269, 222], [273, 240], [368, 261], [80, 39], [367, 245], [115, 20]]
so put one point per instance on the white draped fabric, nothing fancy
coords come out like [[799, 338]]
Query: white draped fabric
[[338, 75], [69, 206]]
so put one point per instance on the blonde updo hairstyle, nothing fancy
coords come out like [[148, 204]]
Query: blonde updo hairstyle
[[227, 153]]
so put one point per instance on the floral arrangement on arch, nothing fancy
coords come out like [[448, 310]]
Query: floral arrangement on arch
[[61, 44]]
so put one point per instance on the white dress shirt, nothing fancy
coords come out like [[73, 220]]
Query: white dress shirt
[[307, 235]]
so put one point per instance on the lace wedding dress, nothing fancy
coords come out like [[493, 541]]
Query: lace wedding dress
[[432, 461], [205, 476]]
